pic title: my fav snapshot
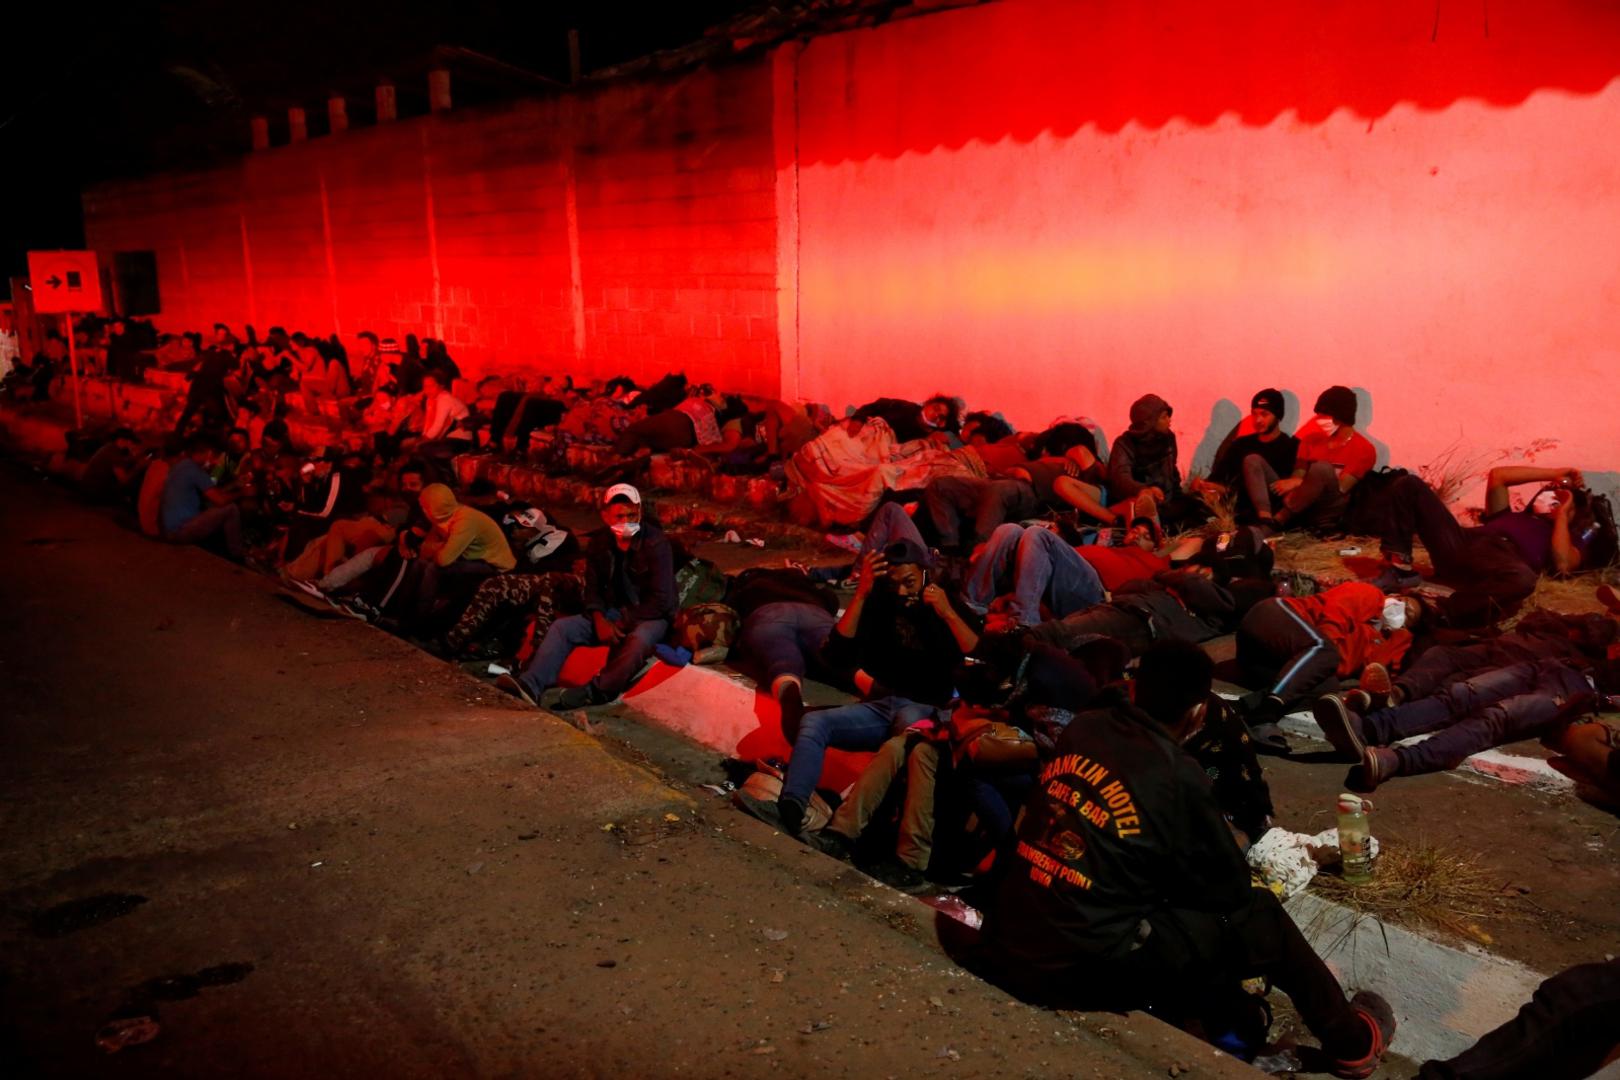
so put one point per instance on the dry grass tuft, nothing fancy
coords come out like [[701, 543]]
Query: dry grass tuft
[[1420, 885], [1222, 509], [1573, 595], [1302, 553]]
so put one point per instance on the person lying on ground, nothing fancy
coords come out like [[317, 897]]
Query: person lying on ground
[[1142, 468], [1247, 465], [629, 603], [1127, 888], [1175, 605], [1037, 570], [1503, 705], [1333, 456], [938, 417], [1496, 565], [786, 618], [1067, 474], [706, 421], [1293, 648], [1568, 1030], [194, 509], [901, 638]]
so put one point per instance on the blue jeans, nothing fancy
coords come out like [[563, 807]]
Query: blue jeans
[[1041, 566], [784, 638], [572, 631], [891, 523], [1490, 709], [865, 725]]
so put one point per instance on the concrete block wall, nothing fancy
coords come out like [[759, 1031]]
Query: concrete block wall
[[630, 229]]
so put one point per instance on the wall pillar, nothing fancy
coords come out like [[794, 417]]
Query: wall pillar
[[387, 103]]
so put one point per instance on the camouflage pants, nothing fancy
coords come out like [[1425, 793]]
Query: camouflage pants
[[545, 596]]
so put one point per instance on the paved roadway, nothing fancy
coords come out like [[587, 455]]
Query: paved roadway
[[352, 860]]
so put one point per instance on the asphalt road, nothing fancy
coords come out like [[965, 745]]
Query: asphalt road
[[305, 848]]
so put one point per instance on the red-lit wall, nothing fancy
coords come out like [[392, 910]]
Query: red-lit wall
[[457, 226], [1053, 207]]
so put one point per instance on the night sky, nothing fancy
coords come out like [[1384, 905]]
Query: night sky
[[92, 92]]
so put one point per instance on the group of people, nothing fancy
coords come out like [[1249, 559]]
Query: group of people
[[1019, 634]]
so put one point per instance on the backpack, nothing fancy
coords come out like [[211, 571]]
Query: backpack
[[1594, 530], [698, 581]]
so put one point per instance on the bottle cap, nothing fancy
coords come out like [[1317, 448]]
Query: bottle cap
[[1353, 804]]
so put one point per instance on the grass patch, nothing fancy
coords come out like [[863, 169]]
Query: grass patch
[[1423, 886]]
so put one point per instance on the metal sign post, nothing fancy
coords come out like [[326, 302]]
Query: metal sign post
[[64, 282], [73, 365]]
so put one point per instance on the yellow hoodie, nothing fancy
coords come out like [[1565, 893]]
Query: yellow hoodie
[[460, 532]]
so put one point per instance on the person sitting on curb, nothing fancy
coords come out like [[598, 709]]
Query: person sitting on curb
[[1126, 888], [194, 508], [1333, 456], [1294, 647], [630, 600], [1496, 565], [902, 638], [1248, 465]]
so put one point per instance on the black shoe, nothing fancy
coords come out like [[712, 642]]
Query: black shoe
[[1341, 727], [510, 684], [1378, 765], [792, 702], [900, 877], [575, 697], [1394, 580], [774, 812], [831, 843]]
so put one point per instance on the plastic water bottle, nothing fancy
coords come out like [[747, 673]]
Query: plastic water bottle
[[1355, 839]]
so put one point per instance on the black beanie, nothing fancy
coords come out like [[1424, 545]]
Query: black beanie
[[1339, 402], [1271, 400]]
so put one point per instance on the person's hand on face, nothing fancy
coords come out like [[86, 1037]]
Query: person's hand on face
[[873, 566], [1566, 505]]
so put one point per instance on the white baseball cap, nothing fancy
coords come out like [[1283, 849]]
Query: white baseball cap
[[625, 490]]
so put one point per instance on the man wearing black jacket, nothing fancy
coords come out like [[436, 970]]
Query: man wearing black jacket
[[1126, 887], [629, 601], [902, 639]]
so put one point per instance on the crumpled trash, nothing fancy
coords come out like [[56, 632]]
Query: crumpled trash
[[1287, 861], [115, 1035], [734, 537]]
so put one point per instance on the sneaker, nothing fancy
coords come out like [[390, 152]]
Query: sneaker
[[854, 543], [308, 588], [898, 876], [1394, 579], [792, 703], [359, 609], [1380, 1019], [1377, 765], [1377, 684], [510, 684], [831, 843], [1341, 726], [767, 810]]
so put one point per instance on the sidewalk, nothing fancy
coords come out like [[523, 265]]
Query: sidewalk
[[421, 875]]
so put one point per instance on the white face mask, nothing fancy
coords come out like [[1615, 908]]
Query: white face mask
[[1394, 616], [1544, 503], [1328, 425], [625, 529]]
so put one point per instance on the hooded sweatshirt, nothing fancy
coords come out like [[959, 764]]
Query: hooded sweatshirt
[[1143, 457], [1346, 615], [460, 532]]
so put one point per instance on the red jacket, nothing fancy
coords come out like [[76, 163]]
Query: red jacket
[[1347, 615]]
